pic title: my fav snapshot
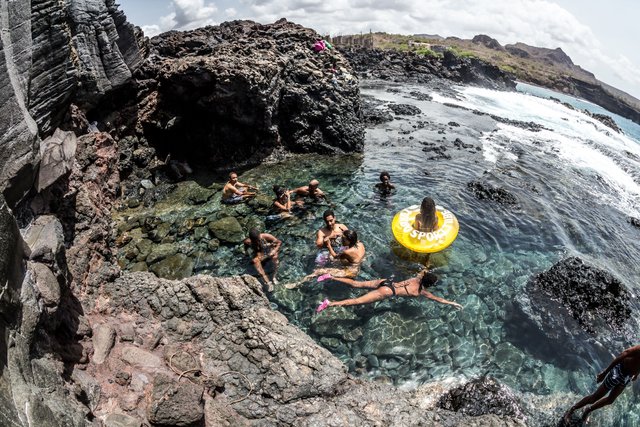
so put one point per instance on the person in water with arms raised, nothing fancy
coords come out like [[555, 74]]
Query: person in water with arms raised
[[621, 371], [384, 288]]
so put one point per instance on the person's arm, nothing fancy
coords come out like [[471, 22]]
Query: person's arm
[[628, 352], [274, 240], [241, 184], [280, 206], [247, 244], [438, 299], [320, 239], [327, 243]]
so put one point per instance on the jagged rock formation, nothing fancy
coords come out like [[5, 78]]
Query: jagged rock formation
[[234, 93], [55, 52], [567, 306], [410, 66]]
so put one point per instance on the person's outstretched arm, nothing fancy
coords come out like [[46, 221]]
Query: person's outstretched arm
[[429, 295]]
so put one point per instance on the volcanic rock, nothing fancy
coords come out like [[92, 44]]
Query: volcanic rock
[[484, 191], [404, 109], [482, 396]]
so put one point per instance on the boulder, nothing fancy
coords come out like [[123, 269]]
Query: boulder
[[104, 336], [482, 396], [485, 191], [177, 266], [227, 230], [45, 238], [57, 154], [47, 285], [121, 420], [404, 109], [175, 403]]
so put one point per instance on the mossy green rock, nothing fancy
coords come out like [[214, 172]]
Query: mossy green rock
[[161, 252], [227, 230], [176, 266]]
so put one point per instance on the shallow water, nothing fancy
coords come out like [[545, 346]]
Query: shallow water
[[575, 183]]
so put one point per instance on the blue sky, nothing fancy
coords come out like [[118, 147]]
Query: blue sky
[[599, 36]]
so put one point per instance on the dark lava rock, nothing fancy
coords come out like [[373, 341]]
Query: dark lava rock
[[487, 41], [484, 191], [566, 307], [414, 67], [175, 404], [421, 96], [404, 109], [606, 120], [376, 117], [234, 93], [634, 221], [591, 295], [482, 396]]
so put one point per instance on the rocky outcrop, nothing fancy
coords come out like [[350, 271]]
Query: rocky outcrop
[[486, 191], [487, 41], [568, 305], [55, 52], [234, 93], [412, 67]]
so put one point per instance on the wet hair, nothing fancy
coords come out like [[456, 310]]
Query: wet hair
[[328, 213], [428, 217], [383, 174], [232, 173], [351, 236], [254, 236], [428, 279], [314, 183], [279, 190]]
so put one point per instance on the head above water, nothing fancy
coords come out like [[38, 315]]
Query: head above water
[[329, 217], [427, 280], [350, 238], [384, 176], [279, 190], [313, 184]]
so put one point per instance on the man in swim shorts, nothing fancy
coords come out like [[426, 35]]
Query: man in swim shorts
[[622, 370], [385, 288], [236, 192], [312, 190]]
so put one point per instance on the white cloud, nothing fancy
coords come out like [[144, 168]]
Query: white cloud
[[230, 12]]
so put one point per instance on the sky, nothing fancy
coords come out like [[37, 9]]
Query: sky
[[599, 36]]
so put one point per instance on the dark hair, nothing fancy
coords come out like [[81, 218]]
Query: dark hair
[[279, 190], [428, 279], [351, 236], [327, 213], [254, 237], [232, 173], [383, 174], [428, 217]]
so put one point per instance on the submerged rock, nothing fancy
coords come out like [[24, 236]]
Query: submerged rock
[[482, 396], [404, 109], [485, 191]]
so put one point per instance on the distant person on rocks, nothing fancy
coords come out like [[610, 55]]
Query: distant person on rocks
[[385, 186], [385, 288], [265, 247], [622, 370], [312, 191], [426, 220], [235, 191]]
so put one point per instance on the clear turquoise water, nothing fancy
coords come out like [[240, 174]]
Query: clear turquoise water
[[576, 184]]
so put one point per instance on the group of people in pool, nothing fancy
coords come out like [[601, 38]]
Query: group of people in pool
[[350, 253], [341, 252]]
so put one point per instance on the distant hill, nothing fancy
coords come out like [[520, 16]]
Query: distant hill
[[550, 68]]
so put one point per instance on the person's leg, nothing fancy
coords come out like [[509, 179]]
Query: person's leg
[[370, 284], [276, 263], [593, 397], [368, 298], [608, 400], [258, 266]]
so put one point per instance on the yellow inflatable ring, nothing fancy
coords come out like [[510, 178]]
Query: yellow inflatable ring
[[418, 241]]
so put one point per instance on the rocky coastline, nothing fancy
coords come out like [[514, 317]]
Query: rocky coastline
[[86, 343]]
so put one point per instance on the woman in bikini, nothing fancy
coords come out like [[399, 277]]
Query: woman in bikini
[[385, 288]]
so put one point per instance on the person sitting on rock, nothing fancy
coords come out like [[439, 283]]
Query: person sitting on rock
[[385, 186], [621, 371], [235, 191], [385, 288], [312, 191], [426, 220], [265, 246]]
